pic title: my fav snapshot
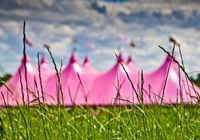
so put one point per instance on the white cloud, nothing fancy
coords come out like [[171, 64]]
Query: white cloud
[[105, 66], [11, 67], [35, 4], [56, 27], [12, 27], [50, 30], [3, 46], [22, 13], [48, 2], [164, 7], [2, 33], [62, 30], [105, 51], [61, 47], [10, 61]]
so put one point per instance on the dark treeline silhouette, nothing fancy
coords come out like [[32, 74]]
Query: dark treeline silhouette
[[5, 78], [197, 80]]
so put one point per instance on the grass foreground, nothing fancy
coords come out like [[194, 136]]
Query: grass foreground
[[132, 122]]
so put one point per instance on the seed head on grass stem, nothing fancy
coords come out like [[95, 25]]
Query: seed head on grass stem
[[128, 77], [57, 72], [24, 53], [181, 67], [40, 78]]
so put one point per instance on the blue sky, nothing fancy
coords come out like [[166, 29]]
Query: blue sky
[[56, 22]]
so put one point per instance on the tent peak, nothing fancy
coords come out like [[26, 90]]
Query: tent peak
[[27, 58], [86, 60], [130, 59], [169, 58], [43, 60], [73, 58], [120, 58]]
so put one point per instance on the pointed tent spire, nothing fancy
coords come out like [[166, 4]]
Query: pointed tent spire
[[154, 88], [71, 77], [14, 84], [86, 60], [43, 60], [88, 68], [27, 59], [120, 57], [131, 64], [130, 60], [103, 91], [73, 58], [178, 88], [45, 68], [172, 91]]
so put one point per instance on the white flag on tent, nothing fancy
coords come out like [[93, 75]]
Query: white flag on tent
[[125, 40], [90, 45]]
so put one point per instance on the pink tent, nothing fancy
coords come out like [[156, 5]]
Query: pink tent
[[45, 72], [131, 64], [153, 83], [44, 67], [177, 87], [83, 85], [135, 75], [75, 88], [105, 87], [88, 67], [14, 84]]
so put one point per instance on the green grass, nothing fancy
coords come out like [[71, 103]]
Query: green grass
[[133, 122]]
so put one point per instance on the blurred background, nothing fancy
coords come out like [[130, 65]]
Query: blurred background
[[66, 24]]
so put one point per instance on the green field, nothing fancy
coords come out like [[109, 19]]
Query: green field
[[132, 122]]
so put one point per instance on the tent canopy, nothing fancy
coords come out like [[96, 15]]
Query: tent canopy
[[83, 85], [17, 86]]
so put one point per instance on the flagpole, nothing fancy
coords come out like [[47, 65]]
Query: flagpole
[[87, 49], [119, 49], [73, 50], [75, 40]]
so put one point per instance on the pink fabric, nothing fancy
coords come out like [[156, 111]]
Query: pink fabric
[[92, 88], [135, 75], [14, 85], [73, 91], [104, 88], [45, 68], [179, 88], [87, 67], [45, 72], [131, 64], [154, 84]]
